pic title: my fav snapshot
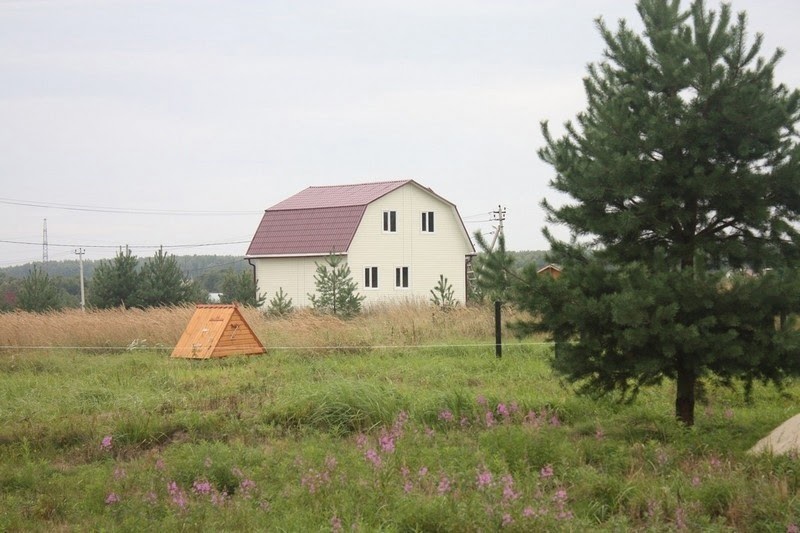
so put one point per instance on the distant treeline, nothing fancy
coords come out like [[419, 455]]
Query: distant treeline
[[206, 271]]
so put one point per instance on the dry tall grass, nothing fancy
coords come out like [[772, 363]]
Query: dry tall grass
[[397, 325]]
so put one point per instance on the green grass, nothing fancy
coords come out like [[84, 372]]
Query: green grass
[[292, 441]]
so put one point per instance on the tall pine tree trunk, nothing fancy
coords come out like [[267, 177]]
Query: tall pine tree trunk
[[684, 400]]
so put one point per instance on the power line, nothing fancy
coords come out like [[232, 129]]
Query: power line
[[115, 246], [122, 210]]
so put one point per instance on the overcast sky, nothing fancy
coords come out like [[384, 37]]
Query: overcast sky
[[193, 106]]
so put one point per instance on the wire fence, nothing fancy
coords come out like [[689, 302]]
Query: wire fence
[[136, 347]]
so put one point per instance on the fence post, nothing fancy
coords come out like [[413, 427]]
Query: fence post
[[498, 338]]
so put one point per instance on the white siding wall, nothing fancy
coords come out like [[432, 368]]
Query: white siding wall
[[426, 254], [294, 274]]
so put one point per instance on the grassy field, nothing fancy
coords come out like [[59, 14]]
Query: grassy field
[[347, 431]]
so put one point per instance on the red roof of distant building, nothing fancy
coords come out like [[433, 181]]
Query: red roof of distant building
[[317, 220]]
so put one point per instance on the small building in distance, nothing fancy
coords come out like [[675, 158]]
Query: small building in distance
[[397, 237], [551, 270]]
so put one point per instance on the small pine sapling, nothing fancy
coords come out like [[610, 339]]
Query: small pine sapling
[[442, 294], [336, 290], [280, 304]]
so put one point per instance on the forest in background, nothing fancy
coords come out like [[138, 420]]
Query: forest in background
[[207, 271]]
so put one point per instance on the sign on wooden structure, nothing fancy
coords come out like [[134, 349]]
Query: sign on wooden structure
[[217, 331]]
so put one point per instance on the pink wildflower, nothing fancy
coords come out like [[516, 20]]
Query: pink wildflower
[[528, 512], [201, 487], [361, 440], [484, 479], [160, 464], [408, 487], [386, 442], [246, 486], [178, 497], [554, 421], [509, 494], [112, 498], [599, 434], [336, 524], [444, 485], [507, 520], [106, 443], [489, 418], [119, 473], [423, 471], [464, 421], [429, 432], [792, 528], [373, 457], [546, 472], [502, 410], [330, 463], [446, 415], [696, 483]]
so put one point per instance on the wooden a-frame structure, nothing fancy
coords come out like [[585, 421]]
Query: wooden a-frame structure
[[217, 331]]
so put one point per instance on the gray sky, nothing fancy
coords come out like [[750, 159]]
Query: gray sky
[[231, 106]]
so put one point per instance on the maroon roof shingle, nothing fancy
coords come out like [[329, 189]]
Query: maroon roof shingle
[[317, 220]]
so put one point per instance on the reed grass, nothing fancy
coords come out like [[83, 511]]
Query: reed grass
[[411, 324]]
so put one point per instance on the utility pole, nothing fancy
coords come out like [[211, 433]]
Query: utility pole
[[499, 216], [80, 252], [44, 244]]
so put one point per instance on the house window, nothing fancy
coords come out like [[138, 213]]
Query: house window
[[427, 221], [371, 277], [390, 221], [401, 277]]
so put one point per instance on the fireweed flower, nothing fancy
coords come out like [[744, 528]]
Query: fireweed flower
[[444, 485], [509, 494], [386, 442], [201, 487], [373, 457], [502, 410], [484, 479]]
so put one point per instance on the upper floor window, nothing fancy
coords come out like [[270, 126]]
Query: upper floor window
[[401, 277], [390, 221], [371, 277], [427, 221]]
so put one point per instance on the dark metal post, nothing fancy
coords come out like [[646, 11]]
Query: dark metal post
[[498, 338]]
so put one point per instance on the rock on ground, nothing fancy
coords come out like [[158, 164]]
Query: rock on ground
[[783, 439]]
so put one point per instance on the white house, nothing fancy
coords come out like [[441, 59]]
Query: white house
[[397, 237]]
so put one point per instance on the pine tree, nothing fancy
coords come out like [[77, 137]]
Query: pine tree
[[115, 283], [162, 282], [241, 288], [442, 295], [337, 292], [494, 269], [684, 165], [280, 304], [39, 293]]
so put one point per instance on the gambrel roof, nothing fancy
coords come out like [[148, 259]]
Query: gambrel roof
[[319, 220]]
